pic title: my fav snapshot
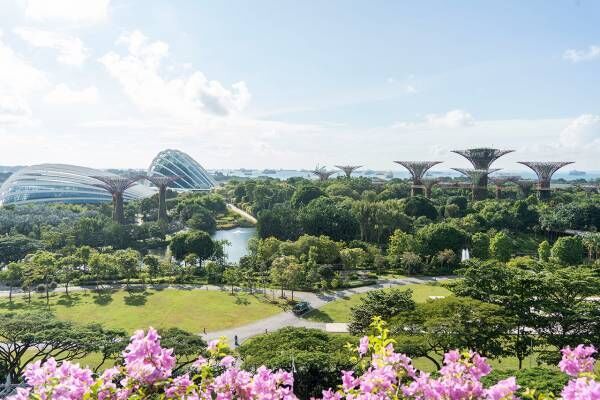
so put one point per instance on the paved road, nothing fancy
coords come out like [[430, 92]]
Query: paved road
[[316, 300]]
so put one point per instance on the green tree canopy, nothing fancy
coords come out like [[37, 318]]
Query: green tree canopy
[[384, 303], [434, 238], [568, 250], [316, 357]]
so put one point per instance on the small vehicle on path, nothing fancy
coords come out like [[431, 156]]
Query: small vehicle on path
[[301, 307]]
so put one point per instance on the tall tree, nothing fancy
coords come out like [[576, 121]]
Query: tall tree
[[128, 263], [383, 303], [519, 291], [69, 270], [456, 323], [45, 264], [12, 276]]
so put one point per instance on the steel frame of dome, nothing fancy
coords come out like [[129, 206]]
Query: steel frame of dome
[[53, 183], [190, 174]]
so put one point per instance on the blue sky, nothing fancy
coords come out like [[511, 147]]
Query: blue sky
[[109, 83]]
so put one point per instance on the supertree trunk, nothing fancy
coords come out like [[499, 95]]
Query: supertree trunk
[[162, 203], [418, 190], [118, 211], [479, 192], [544, 192]]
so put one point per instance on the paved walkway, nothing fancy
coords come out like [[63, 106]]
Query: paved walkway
[[242, 213], [283, 319], [316, 300]]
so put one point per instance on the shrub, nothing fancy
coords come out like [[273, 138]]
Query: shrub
[[568, 250], [480, 245], [501, 246], [544, 251]]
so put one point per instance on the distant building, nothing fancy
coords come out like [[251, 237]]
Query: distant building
[[62, 183], [190, 174]]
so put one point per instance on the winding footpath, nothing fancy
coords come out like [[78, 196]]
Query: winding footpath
[[242, 213], [272, 323], [316, 301]]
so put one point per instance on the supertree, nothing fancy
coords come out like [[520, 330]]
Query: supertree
[[348, 169], [478, 180], [322, 173], [482, 158], [417, 171], [116, 186], [500, 181], [544, 171], [525, 185], [161, 182]]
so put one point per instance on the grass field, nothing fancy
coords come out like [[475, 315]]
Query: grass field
[[339, 310], [192, 310]]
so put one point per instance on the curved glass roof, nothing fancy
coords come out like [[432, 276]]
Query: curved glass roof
[[191, 175], [46, 183]]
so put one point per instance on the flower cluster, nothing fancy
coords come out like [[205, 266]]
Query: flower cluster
[[145, 361], [389, 375], [146, 373], [579, 364], [50, 381], [381, 374]]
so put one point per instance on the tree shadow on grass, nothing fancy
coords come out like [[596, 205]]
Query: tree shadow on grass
[[318, 316], [136, 297], [68, 300], [103, 297]]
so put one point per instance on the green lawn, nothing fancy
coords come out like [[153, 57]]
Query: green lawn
[[339, 310], [192, 310]]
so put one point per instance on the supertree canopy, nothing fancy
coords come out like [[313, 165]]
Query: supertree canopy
[[322, 173], [116, 185], [544, 171], [417, 170], [478, 180], [483, 157], [161, 182], [348, 169]]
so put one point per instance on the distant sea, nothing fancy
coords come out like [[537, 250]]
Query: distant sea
[[288, 173]]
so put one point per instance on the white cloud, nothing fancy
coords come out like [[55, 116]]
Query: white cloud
[[79, 11], [582, 132], [451, 119], [18, 80], [71, 50], [574, 55], [62, 94], [190, 96]]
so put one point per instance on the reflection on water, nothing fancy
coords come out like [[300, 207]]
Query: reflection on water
[[238, 237]]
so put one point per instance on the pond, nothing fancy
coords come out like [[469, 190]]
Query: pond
[[238, 237]]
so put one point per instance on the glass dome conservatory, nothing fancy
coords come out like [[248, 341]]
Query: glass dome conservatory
[[47, 183], [191, 175]]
